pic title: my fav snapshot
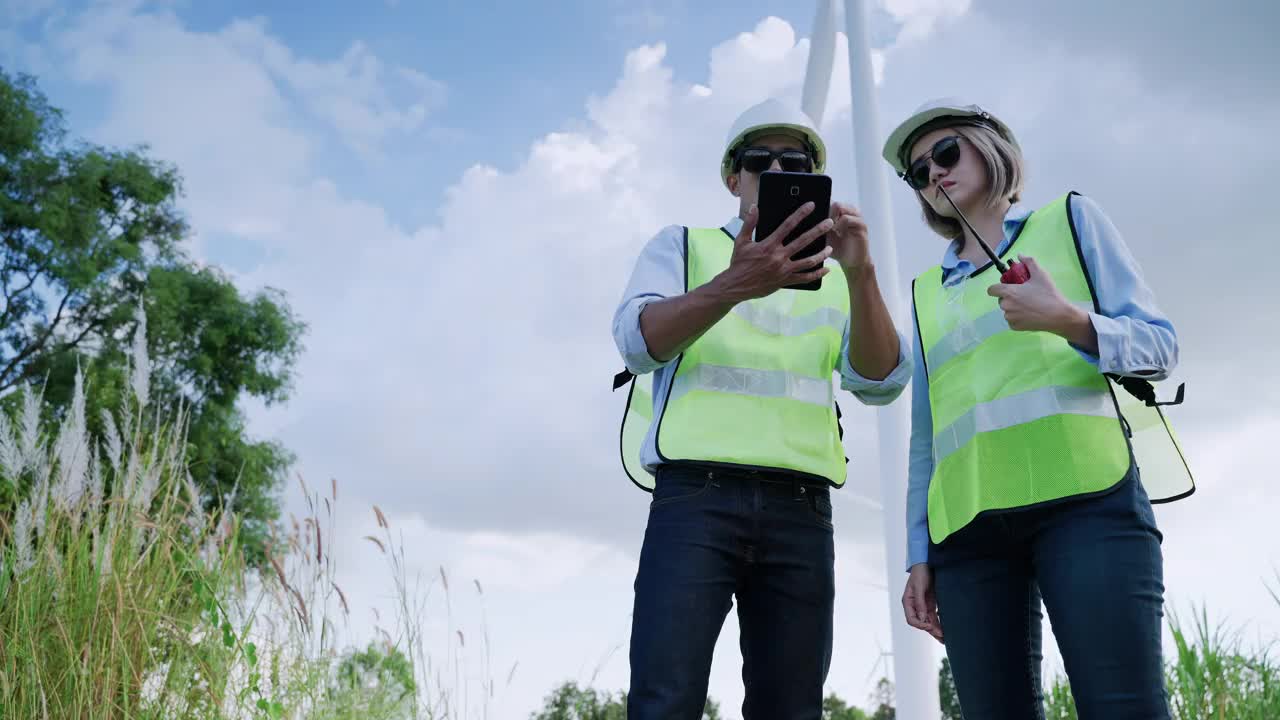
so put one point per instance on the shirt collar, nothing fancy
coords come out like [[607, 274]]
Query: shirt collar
[[734, 226], [1013, 220]]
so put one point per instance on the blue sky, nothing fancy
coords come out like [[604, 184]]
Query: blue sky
[[452, 196]]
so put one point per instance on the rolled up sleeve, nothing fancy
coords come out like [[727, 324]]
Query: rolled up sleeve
[[1134, 337], [875, 392], [658, 274]]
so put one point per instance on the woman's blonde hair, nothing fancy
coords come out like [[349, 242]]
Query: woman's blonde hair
[[1001, 158]]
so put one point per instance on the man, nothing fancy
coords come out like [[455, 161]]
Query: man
[[744, 442]]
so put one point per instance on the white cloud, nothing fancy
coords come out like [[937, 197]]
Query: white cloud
[[1222, 58], [364, 100], [243, 74], [919, 17], [207, 107], [762, 62]]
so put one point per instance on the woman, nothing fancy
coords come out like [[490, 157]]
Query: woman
[[1022, 485]]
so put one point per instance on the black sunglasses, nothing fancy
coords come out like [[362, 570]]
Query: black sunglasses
[[945, 154], [759, 159]]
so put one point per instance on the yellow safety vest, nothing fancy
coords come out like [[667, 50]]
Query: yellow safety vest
[[1020, 418], [756, 389]]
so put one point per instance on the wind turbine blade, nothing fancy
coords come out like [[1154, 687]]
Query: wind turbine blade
[[822, 55]]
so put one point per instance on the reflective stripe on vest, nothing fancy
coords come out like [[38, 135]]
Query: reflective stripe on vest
[[769, 320], [756, 390], [1018, 409], [963, 339], [757, 383], [1019, 418]]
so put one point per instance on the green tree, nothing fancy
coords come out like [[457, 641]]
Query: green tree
[[372, 683], [1059, 703], [570, 702], [834, 708], [947, 697], [882, 698], [91, 234]]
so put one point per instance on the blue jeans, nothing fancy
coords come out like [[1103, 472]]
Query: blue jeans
[[718, 534], [1096, 563]]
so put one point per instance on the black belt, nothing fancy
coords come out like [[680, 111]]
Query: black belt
[[771, 475]]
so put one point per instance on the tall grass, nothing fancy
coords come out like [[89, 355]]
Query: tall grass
[[1212, 675], [120, 597], [1216, 677]]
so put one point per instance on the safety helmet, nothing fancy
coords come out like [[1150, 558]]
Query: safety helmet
[[899, 142], [772, 117]]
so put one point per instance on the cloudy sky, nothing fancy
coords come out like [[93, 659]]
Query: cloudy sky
[[452, 195]]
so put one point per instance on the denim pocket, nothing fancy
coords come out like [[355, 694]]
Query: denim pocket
[[820, 506], [674, 485], [1142, 503]]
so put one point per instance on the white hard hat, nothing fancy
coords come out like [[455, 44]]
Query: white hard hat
[[895, 148], [778, 117]]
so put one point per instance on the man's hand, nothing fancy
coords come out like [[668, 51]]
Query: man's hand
[[758, 269], [919, 603], [848, 238], [755, 270], [873, 342]]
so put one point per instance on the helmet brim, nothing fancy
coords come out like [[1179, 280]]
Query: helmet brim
[[799, 132], [894, 150]]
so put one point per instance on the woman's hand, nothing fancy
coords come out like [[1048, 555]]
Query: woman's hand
[[1037, 304], [919, 603]]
